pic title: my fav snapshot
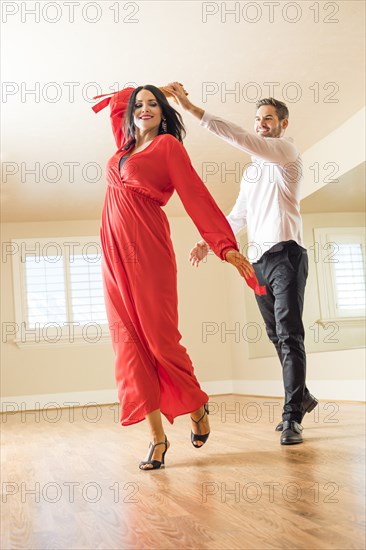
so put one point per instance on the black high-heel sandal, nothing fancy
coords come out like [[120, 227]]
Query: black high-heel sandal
[[199, 437], [156, 464]]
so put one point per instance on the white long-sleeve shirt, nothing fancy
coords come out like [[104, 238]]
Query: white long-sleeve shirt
[[268, 204]]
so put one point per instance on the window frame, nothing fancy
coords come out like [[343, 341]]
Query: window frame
[[72, 332], [324, 237]]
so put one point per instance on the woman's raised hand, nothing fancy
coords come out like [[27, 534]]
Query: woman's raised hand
[[177, 91]]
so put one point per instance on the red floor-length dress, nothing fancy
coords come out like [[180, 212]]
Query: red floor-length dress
[[152, 369]]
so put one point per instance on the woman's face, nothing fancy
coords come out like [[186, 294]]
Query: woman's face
[[148, 113]]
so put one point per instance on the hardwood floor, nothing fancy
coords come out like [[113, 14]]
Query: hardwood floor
[[70, 480]]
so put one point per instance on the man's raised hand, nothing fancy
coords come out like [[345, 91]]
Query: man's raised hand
[[177, 91]]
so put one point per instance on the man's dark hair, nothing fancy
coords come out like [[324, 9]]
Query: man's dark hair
[[281, 108]]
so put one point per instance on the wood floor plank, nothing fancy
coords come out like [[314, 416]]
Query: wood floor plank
[[74, 483]]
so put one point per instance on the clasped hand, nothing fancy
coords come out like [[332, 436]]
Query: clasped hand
[[177, 92], [233, 257]]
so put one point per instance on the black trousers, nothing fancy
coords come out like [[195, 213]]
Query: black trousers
[[284, 273]]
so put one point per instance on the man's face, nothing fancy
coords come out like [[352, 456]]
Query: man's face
[[267, 124]]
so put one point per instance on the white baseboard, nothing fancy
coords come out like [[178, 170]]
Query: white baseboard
[[20, 403], [219, 387], [342, 390]]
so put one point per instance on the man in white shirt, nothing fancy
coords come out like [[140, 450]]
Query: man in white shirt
[[268, 207]]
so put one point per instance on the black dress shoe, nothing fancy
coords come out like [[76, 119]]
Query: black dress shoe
[[291, 433], [308, 405]]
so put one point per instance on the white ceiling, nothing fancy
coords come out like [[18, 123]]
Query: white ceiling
[[168, 41]]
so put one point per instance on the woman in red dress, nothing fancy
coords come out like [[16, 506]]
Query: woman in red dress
[[154, 373]]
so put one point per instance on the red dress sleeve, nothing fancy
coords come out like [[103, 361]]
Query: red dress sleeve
[[201, 207], [197, 201], [118, 102]]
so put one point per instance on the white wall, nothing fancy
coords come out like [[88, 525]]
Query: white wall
[[86, 372], [335, 370], [212, 298]]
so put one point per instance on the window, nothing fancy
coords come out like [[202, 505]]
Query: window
[[340, 264], [349, 280], [58, 291]]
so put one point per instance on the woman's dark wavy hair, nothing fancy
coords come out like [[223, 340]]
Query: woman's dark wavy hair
[[174, 121]]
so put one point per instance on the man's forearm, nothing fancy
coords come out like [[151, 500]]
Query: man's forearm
[[194, 110]]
